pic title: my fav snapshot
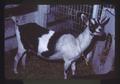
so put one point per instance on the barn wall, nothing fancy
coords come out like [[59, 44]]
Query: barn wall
[[10, 40], [33, 17]]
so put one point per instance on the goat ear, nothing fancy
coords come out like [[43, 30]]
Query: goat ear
[[105, 21], [84, 18]]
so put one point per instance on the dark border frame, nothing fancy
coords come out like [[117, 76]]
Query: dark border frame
[[117, 34]]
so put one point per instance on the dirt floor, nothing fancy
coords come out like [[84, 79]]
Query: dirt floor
[[37, 68]]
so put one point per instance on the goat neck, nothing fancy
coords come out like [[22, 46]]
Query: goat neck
[[84, 39]]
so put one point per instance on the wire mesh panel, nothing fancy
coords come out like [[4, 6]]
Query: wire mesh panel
[[109, 6], [99, 11], [70, 15]]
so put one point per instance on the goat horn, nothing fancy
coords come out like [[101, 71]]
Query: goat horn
[[103, 19]]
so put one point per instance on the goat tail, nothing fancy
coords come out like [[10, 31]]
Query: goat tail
[[55, 56]]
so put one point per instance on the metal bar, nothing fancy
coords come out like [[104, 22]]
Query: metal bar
[[95, 11], [10, 37]]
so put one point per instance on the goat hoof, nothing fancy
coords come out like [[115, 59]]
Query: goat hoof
[[65, 78], [15, 72], [86, 63]]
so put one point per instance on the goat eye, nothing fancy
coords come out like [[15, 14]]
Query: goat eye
[[91, 25]]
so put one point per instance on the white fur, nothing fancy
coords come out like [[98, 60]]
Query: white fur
[[98, 29], [43, 41], [92, 21]]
